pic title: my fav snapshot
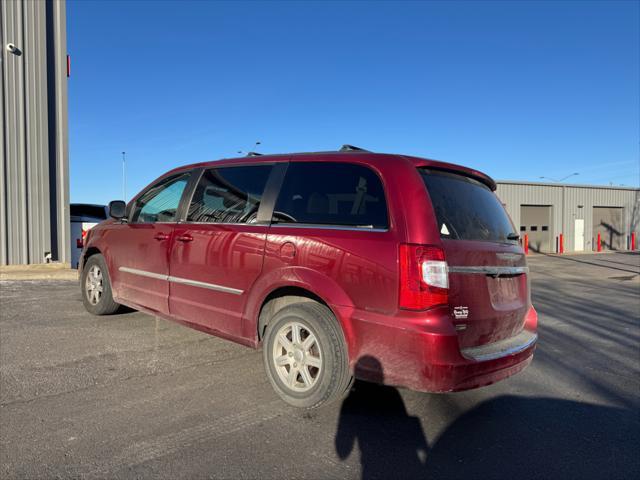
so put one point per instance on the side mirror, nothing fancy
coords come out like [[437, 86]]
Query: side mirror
[[117, 209]]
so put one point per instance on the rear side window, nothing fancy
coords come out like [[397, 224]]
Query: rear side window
[[342, 194], [466, 209], [229, 194]]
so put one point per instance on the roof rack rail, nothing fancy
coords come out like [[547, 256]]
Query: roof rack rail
[[351, 148]]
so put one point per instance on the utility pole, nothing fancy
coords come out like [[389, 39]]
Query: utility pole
[[124, 178]]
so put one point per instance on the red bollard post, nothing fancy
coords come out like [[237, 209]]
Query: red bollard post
[[526, 244], [561, 243], [599, 246], [633, 240]]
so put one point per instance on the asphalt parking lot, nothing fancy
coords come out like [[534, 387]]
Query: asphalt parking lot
[[133, 396]]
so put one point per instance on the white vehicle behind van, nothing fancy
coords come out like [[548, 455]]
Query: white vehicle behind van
[[84, 217]]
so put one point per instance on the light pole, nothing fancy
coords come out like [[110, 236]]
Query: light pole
[[560, 180], [124, 178]]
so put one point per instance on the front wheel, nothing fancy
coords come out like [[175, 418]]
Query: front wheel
[[305, 355], [96, 287]]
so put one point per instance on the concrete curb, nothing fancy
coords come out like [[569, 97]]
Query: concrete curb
[[48, 271]]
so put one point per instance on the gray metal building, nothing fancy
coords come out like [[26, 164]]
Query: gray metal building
[[543, 211], [34, 164]]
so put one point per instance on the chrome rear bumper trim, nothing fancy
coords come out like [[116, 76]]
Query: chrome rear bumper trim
[[489, 270], [503, 348]]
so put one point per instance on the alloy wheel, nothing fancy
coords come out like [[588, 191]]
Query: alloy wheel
[[94, 285], [297, 356]]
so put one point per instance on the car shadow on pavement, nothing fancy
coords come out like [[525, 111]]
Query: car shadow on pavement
[[519, 437], [392, 443], [505, 437], [580, 260]]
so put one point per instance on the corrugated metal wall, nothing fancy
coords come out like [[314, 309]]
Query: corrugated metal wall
[[570, 202], [34, 188]]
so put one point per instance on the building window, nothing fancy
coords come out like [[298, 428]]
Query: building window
[[523, 228], [545, 228], [534, 228]]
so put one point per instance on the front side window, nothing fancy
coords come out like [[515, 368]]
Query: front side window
[[466, 209], [323, 193], [229, 194], [160, 203]]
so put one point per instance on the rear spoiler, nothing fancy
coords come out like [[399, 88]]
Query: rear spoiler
[[455, 169], [466, 172]]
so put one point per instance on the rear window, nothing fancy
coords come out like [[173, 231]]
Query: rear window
[[324, 193], [466, 209], [84, 210]]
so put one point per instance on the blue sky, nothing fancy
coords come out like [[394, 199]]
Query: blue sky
[[516, 89]]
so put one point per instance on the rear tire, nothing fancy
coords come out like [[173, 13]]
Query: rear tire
[[96, 287], [305, 356]]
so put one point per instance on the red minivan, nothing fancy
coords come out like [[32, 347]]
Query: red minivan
[[339, 265]]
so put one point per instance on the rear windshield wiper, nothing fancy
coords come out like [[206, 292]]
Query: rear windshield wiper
[[513, 236]]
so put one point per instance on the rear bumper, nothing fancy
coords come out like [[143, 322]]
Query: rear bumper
[[421, 352]]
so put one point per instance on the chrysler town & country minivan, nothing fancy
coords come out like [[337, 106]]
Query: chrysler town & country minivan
[[325, 261]]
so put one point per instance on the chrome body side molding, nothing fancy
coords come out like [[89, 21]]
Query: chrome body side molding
[[144, 273], [183, 281], [210, 286]]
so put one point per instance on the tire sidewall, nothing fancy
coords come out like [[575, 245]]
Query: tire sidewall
[[106, 299], [318, 326]]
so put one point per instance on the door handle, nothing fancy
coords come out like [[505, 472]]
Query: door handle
[[185, 238], [161, 236]]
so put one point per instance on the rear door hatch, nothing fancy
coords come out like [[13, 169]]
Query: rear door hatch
[[488, 276]]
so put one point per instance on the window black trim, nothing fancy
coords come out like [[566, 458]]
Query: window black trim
[[271, 193], [327, 226], [187, 195]]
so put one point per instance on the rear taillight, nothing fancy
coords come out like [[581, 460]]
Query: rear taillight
[[424, 277], [80, 241]]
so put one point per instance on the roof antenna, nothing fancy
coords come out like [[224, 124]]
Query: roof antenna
[[252, 152], [352, 148]]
